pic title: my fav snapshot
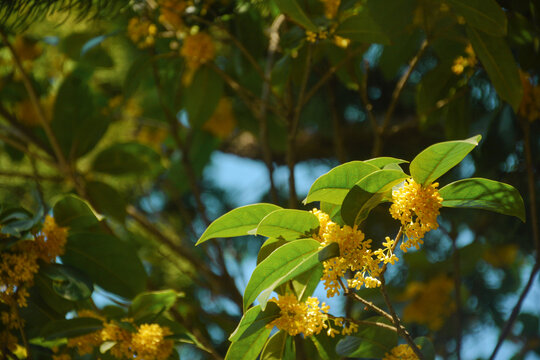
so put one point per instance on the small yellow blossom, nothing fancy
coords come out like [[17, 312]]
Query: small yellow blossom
[[171, 13], [461, 63], [401, 352], [331, 8], [341, 41], [432, 302], [311, 36], [122, 337], [149, 343], [198, 49], [142, 32], [355, 255], [86, 343], [52, 240], [222, 122], [417, 208], [296, 317]]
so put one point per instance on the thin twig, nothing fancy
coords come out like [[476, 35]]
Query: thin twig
[[370, 305], [378, 143], [367, 322], [526, 126], [395, 319]]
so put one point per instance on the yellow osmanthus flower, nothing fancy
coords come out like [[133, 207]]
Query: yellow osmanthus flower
[[170, 13], [461, 63], [149, 342], [431, 302], [222, 122], [331, 8], [86, 343], [341, 41], [355, 255], [198, 49], [7, 342], [530, 102], [123, 347], [142, 32], [417, 208], [312, 37], [52, 240], [300, 317], [401, 352]]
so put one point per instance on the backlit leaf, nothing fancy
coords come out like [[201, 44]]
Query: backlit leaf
[[287, 224]]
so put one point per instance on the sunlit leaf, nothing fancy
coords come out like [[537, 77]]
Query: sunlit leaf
[[484, 194], [151, 303], [437, 159], [237, 222], [74, 213], [383, 161], [287, 224], [367, 193], [280, 346], [333, 186], [268, 247], [371, 341]]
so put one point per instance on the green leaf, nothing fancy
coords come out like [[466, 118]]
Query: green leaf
[[279, 347], [16, 221], [393, 16], [497, 58], [371, 341], [305, 284], [426, 347], [292, 9], [325, 345], [74, 213], [70, 327], [361, 27], [202, 96], [287, 224], [237, 222], [68, 282], [367, 193], [437, 159], [75, 125], [250, 336], [485, 15], [381, 162], [106, 199], [152, 303], [285, 263], [333, 186], [484, 194], [110, 263], [126, 159], [268, 247]]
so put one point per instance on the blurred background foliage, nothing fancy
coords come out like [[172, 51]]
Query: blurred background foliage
[[142, 108]]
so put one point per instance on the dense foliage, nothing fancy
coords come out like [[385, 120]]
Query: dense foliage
[[113, 119]]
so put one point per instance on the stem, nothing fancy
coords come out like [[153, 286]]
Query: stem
[[378, 143], [369, 305], [395, 319], [526, 126], [515, 311]]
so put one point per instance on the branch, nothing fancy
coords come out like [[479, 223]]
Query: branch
[[526, 126]]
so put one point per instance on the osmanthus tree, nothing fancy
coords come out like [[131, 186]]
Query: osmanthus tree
[[111, 116]]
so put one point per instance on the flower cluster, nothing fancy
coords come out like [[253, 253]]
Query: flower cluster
[[142, 32], [171, 13], [313, 36], [417, 207], [300, 317], [331, 8], [401, 352], [431, 302], [530, 103], [147, 342], [355, 255], [198, 49], [461, 63]]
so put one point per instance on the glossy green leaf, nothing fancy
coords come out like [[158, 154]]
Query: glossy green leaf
[[367, 193], [305, 284], [371, 341], [16, 221], [74, 213], [287, 224], [237, 222], [152, 303], [106, 199], [383, 161], [325, 345], [292, 8], [280, 346], [333, 186], [109, 262], [437, 159], [426, 347], [126, 159], [497, 59], [485, 15], [202, 96], [361, 27], [70, 327], [250, 336], [268, 247], [484, 194], [283, 264], [68, 282]]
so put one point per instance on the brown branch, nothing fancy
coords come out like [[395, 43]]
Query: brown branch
[[515, 312], [395, 319], [526, 126], [367, 322], [369, 304]]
